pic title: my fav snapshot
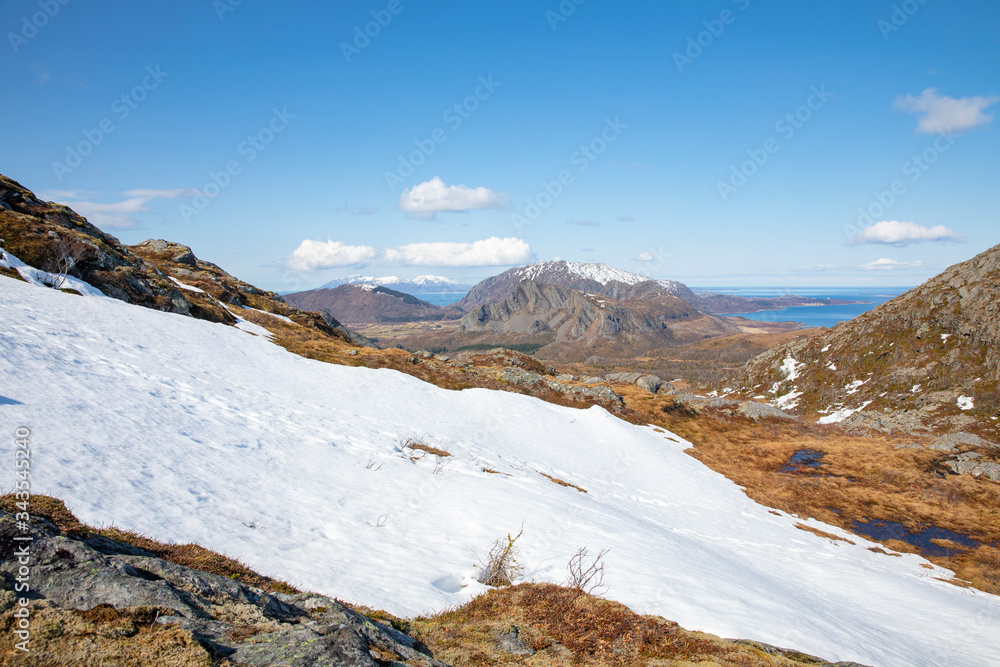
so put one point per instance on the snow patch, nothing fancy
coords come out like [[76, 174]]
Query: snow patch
[[854, 386], [45, 279], [190, 288], [789, 400], [791, 368], [915, 389], [965, 403], [842, 414]]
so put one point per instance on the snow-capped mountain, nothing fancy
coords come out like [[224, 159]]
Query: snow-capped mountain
[[194, 431], [581, 276], [419, 285]]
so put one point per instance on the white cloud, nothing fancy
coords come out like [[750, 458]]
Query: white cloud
[[645, 257], [942, 113], [433, 196], [886, 264], [114, 215], [313, 255], [152, 193], [493, 251], [893, 232]]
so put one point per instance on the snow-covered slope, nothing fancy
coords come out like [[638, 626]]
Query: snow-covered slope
[[192, 431]]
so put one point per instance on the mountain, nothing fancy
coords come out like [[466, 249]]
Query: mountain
[[928, 359], [567, 325], [418, 285], [583, 277], [52, 243], [606, 280], [194, 432], [367, 303]]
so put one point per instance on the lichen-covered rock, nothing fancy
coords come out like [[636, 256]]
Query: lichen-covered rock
[[101, 578]]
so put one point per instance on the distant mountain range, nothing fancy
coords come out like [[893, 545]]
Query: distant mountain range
[[368, 303], [418, 285]]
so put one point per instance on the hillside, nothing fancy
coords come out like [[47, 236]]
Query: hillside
[[928, 360], [367, 303], [139, 607], [155, 274], [312, 472]]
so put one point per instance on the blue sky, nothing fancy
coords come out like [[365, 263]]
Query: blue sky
[[731, 142]]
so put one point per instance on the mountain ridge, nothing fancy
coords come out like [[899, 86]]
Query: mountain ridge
[[903, 366]]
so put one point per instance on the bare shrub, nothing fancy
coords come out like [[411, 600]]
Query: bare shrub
[[586, 574], [68, 253], [373, 463], [500, 566]]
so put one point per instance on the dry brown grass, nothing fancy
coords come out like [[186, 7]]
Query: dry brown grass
[[421, 447], [562, 482], [102, 636], [822, 533], [862, 477], [569, 627], [191, 555]]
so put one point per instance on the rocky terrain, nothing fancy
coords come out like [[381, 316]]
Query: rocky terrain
[[154, 274], [367, 303], [925, 362]]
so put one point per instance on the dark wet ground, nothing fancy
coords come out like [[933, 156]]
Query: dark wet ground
[[892, 530]]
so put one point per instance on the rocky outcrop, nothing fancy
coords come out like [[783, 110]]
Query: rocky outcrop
[[154, 274], [100, 588], [53, 238], [928, 360]]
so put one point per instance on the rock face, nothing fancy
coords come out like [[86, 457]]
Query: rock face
[[100, 580], [366, 303], [929, 359], [53, 238], [582, 277], [557, 315]]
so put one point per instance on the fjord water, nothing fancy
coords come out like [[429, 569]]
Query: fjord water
[[441, 298], [815, 316]]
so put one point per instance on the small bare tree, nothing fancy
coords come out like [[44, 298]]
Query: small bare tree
[[499, 565], [586, 574], [68, 253]]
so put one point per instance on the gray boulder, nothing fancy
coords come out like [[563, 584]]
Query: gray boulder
[[650, 383], [757, 411], [969, 464], [242, 623]]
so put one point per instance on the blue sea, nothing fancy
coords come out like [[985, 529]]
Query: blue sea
[[814, 316], [441, 298]]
